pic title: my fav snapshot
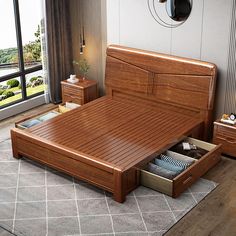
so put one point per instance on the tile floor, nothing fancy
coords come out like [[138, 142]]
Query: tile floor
[[38, 201]]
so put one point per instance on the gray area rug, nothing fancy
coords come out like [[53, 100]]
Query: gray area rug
[[38, 201]]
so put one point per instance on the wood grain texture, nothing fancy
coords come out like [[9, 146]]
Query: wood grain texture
[[173, 81], [106, 141], [215, 215], [226, 135], [161, 63], [186, 90], [131, 77], [184, 180], [81, 92], [112, 137]]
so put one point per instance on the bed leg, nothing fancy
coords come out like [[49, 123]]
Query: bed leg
[[119, 193], [118, 197], [14, 146]]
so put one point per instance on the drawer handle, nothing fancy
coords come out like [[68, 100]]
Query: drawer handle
[[188, 179], [229, 140]]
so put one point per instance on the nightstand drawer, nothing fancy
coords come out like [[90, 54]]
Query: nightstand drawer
[[72, 98], [80, 92], [72, 91], [226, 131], [174, 187], [228, 144], [226, 135]]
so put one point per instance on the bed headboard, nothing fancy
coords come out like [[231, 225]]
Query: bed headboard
[[169, 82]]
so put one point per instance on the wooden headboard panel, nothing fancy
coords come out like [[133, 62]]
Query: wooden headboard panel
[[169, 82]]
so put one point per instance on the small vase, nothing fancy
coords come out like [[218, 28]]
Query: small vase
[[84, 77]]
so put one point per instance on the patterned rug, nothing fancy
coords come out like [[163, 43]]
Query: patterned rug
[[38, 201]]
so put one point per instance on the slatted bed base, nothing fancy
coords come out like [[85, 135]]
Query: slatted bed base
[[99, 144]]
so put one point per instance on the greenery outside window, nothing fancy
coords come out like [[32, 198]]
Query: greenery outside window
[[20, 51]]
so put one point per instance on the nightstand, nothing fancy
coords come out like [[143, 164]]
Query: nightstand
[[80, 92], [225, 134]]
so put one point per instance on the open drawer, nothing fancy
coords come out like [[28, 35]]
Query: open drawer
[[174, 187], [43, 116]]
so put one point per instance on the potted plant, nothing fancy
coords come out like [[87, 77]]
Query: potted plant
[[83, 66]]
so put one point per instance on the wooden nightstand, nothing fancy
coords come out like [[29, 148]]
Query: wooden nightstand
[[80, 92], [225, 134]]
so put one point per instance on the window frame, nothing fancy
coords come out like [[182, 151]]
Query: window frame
[[22, 71]]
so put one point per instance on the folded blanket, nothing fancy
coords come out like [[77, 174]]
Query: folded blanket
[[179, 157], [161, 171], [168, 166], [30, 123], [48, 116], [175, 162]]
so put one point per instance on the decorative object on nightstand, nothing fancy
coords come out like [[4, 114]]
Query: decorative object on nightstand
[[225, 133], [83, 66], [73, 79], [229, 119], [80, 92]]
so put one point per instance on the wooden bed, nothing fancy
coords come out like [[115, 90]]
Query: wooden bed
[[153, 101]]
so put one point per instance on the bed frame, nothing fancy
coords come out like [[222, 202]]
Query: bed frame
[[153, 100]]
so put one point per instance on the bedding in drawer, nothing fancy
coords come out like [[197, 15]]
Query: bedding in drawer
[[171, 172], [188, 148], [169, 164], [41, 117]]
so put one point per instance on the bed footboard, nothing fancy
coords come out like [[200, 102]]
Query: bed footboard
[[63, 160]]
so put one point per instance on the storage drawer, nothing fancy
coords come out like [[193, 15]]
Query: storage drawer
[[71, 98], [226, 135], [226, 131], [72, 91], [186, 178], [228, 144], [43, 116]]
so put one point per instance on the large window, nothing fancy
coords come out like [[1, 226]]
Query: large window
[[20, 51]]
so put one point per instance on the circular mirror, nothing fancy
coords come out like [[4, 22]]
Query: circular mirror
[[178, 10]]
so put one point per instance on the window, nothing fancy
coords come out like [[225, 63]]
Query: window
[[20, 51]]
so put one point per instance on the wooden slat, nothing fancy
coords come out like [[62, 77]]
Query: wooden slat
[[88, 125], [117, 133]]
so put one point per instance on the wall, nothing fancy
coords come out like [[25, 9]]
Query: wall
[[91, 14], [204, 36]]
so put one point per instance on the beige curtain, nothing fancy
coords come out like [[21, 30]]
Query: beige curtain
[[58, 46]]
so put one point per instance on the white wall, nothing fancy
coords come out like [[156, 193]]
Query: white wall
[[204, 36]]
